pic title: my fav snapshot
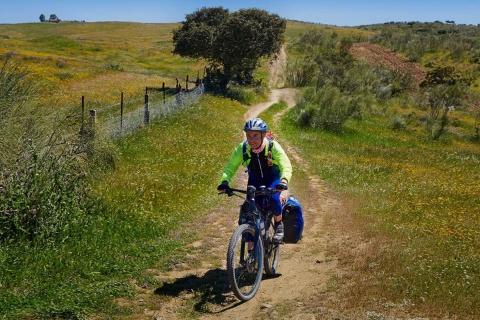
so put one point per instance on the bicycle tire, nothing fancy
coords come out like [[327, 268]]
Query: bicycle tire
[[272, 250], [244, 275]]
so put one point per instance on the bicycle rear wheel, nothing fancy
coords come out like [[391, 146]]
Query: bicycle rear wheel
[[244, 269], [272, 250]]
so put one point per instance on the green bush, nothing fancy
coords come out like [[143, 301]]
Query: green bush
[[42, 193], [441, 100], [325, 108], [300, 72], [247, 95], [16, 92], [43, 174]]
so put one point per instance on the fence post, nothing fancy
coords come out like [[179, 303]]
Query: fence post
[[186, 84], [82, 129], [93, 116], [121, 112], [146, 113], [163, 89]]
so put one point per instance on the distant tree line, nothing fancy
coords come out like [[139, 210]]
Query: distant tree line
[[53, 18]]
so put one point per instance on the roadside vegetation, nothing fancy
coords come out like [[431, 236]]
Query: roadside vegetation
[[84, 219], [409, 153], [74, 237]]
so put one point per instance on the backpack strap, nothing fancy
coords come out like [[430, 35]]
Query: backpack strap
[[270, 154], [245, 155], [270, 144]]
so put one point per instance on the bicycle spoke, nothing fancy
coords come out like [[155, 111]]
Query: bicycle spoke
[[245, 272]]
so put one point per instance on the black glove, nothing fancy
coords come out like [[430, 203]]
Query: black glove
[[223, 187], [281, 186]]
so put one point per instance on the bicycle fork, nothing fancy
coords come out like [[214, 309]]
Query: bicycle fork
[[249, 260]]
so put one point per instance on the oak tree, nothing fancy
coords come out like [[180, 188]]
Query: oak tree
[[232, 43]]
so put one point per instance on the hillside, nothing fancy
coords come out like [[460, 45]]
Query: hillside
[[96, 60]]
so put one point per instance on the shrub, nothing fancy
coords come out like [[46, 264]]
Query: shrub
[[247, 95], [441, 99], [300, 72], [326, 108], [41, 193], [43, 181], [16, 92], [445, 75]]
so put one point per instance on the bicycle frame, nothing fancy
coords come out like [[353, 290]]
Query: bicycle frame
[[253, 234], [260, 215]]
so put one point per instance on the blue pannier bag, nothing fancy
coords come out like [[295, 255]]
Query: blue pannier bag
[[292, 216]]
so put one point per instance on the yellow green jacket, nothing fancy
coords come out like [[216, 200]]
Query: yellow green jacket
[[279, 160]]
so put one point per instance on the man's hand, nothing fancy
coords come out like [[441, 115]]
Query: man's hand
[[282, 185], [223, 187]]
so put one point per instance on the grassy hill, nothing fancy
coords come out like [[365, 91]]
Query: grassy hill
[[98, 60], [416, 199]]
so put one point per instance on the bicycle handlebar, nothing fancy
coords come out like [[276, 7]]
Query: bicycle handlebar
[[251, 190]]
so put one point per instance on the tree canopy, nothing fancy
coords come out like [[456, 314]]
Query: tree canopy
[[233, 42]]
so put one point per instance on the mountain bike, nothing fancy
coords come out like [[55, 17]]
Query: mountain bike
[[252, 248]]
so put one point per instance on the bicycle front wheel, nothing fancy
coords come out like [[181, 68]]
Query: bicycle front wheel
[[272, 250], [244, 269]]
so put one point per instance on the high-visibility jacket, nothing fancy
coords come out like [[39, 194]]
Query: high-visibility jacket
[[261, 165]]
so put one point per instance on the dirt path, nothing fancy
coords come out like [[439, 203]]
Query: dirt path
[[305, 269]]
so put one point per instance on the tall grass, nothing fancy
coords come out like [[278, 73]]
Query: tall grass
[[16, 92], [420, 194]]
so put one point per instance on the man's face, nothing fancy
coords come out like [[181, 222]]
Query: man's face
[[254, 139]]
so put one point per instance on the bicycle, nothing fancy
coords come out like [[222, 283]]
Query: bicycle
[[252, 248]]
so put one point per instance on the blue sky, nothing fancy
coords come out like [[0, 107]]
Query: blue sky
[[334, 12]]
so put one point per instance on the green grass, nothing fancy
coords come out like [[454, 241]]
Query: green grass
[[420, 194], [69, 60], [164, 178]]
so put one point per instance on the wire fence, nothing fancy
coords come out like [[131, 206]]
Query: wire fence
[[115, 123]]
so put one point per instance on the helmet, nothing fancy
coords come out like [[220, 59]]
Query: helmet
[[255, 124]]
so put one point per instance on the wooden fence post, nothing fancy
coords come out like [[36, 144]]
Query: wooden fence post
[[146, 112], [82, 129], [178, 96], [186, 84], [93, 116], [163, 89]]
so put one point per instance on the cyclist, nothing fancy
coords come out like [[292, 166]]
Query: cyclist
[[267, 165]]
